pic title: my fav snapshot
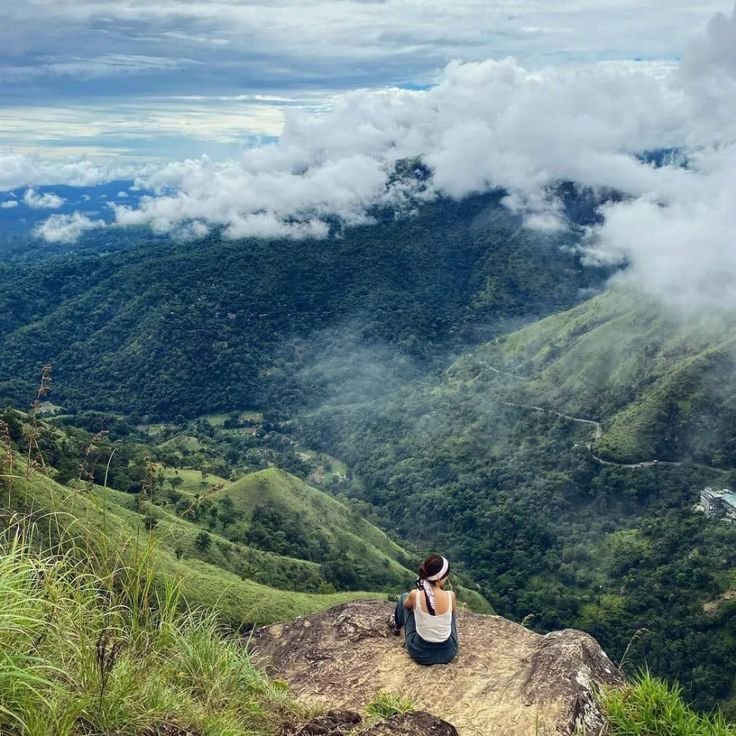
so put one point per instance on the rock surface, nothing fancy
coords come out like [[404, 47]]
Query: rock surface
[[506, 681], [412, 724]]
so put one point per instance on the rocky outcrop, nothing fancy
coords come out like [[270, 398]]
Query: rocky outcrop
[[506, 681]]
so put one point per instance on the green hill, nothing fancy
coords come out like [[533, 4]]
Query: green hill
[[263, 548], [531, 460], [661, 386], [98, 521], [129, 330]]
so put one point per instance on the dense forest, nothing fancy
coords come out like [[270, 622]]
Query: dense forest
[[184, 329]]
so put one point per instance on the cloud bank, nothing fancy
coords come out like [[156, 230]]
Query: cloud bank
[[66, 228], [498, 124], [46, 201], [21, 170]]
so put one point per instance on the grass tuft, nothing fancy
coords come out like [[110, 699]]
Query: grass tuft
[[385, 705], [84, 651], [651, 707]]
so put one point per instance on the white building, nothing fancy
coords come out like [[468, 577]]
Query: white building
[[718, 503]]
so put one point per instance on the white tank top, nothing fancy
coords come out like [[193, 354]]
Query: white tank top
[[434, 629]]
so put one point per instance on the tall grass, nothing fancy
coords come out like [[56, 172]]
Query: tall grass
[[86, 649], [651, 707]]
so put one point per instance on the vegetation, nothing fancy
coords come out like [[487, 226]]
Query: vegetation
[[385, 705], [491, 460], [129, 330], [651, 707], [267, 547], [92, 647], [413, 352]]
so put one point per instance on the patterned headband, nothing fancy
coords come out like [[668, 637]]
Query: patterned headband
[[441, 573]]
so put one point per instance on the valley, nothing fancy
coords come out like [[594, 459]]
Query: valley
[[470, 387]]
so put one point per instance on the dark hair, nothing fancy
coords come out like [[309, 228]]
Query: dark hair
[[431, 566]]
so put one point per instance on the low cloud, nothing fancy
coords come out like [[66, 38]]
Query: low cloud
[[8, 204], [478, 129], [66, 228], [498, 124], [20, 170], [46, 201]]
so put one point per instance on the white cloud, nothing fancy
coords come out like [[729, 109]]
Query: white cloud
[[8, 204], [479, 128], [680, 245], [501, 124], [47, 201], [66, 228], [19, 170]]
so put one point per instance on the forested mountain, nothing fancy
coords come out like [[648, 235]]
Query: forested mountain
[[556, 451], [183, 329], [562, 463]]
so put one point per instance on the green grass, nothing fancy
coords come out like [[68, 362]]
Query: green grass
[[191, 481], [385, 704], [108, 519], [651, 707], [320, 513], [217, 419], [90, 645]]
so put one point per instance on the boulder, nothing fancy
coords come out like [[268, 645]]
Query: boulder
[[506, 680]]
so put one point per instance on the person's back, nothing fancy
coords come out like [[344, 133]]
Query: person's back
[[438, 627], [428, 615]]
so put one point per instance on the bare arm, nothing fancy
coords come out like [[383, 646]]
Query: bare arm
[[409, 602]]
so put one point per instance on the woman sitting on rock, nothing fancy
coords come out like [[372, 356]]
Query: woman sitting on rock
[[427, 615]]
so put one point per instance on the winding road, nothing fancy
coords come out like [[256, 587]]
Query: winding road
[[597, 431]]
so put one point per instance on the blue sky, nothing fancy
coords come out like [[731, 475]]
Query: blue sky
[[135, 80]]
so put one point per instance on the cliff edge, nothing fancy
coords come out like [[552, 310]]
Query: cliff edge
[[506, 681]]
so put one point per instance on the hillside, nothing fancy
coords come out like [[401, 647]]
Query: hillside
[[264, 547], [403, 368], [101, 522], [660, 385], [531, 459], [130, 330]]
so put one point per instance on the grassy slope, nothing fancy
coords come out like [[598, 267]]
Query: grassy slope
[[111, 655], [341, 526], [227, 575], [318, 510], [662, 387], [112, 525]]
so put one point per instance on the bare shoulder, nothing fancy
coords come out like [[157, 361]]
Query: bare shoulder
[[410, 601]]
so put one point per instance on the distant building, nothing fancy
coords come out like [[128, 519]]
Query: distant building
[[719, 503]]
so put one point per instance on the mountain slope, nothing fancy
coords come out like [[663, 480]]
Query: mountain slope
[[107, 529], [191, 328], [531, 460], [662, 386]]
